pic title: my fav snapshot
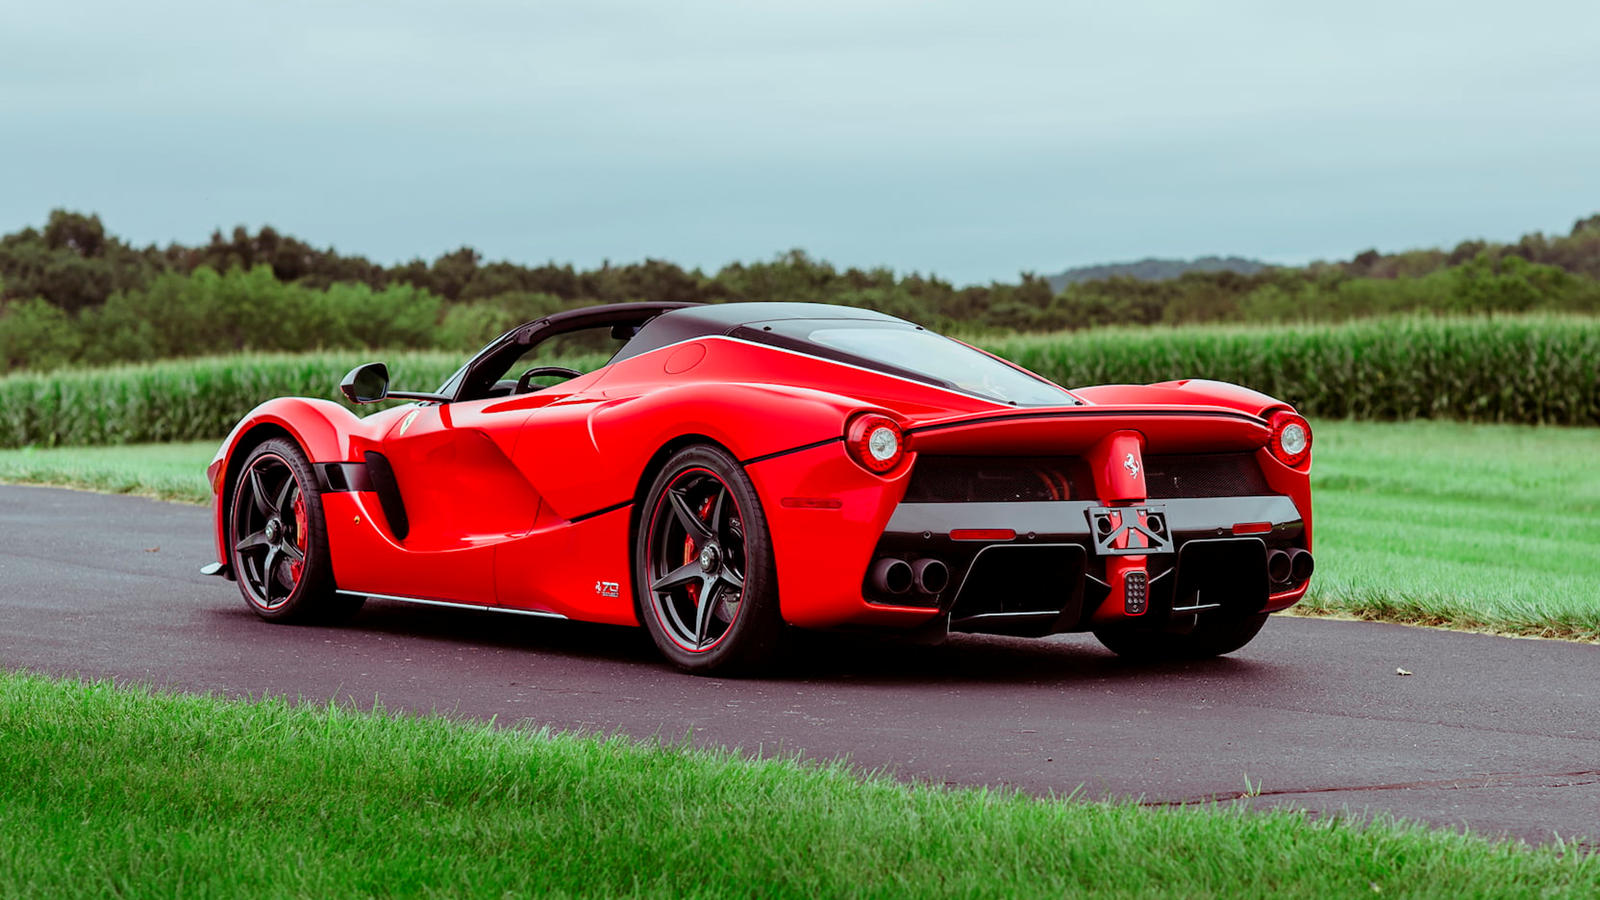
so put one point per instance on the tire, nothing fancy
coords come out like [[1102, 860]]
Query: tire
[[278, 539], [705, 584], [1209, 637]]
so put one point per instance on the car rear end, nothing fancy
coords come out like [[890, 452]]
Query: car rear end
[[1037, 521]]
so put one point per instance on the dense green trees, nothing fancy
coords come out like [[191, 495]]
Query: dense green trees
[[74, 293]]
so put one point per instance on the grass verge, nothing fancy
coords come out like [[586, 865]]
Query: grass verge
[[162, 471], [1482, 527], [124, 792]]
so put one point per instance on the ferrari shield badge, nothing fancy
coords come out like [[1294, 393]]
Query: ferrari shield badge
[[1132, 465]]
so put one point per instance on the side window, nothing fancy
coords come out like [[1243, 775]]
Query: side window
[[581, 351]]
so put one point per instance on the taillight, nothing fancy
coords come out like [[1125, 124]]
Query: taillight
[[875, 442], [1291, 438]]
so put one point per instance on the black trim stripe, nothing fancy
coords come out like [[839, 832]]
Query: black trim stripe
[[1082, 412], [811, 446], [602, 511], [627, 503]]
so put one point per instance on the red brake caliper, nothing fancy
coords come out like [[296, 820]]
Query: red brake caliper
[[688, 550], [295, 565]]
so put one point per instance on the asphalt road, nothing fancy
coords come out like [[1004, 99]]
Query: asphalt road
[[1501, 736]]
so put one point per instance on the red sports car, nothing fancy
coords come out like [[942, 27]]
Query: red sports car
[[740, 468]]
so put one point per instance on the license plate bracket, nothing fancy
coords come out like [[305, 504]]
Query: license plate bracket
[[1148, 522]]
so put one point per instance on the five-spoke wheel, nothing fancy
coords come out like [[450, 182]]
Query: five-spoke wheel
[[277, 540], [703, 566]]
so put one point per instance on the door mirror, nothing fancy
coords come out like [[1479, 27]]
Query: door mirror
[[366, 384]]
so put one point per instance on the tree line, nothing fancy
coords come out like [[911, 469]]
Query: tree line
[[73, 293]]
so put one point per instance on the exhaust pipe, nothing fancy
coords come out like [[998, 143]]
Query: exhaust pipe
[[931, 575], [1279, 566], [891, 576], [1300, 565]]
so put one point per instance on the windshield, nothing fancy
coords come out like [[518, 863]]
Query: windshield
[[903, 349]]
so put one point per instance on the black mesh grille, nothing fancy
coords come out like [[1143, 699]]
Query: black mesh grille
[[1204, 475], [1004, 479]]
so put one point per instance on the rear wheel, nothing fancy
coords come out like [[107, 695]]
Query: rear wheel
[[277, 539], [1211, 636], [704, 577]]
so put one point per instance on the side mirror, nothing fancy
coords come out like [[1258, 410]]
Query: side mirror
[[366, 384]]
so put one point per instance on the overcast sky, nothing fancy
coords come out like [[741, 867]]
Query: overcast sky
[[971, 140]]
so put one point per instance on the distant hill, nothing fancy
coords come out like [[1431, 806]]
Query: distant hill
[[1152, 269]]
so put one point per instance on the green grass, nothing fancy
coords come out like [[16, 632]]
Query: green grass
[[1486, 527], [163, 471], [108, 791], [1489, 527]]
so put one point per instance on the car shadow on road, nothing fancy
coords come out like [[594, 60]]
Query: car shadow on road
[[1065, 658], [808, 657]]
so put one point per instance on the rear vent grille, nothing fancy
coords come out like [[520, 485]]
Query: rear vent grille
[[1204, 475], [999, 479]]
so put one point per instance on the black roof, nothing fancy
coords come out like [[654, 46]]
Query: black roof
[[707, 320]]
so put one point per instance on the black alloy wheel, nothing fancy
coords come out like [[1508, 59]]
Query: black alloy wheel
[[704, 581], [277, 538]]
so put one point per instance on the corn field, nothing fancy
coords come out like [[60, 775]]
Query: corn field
[[1529, 370], [1534, 370]]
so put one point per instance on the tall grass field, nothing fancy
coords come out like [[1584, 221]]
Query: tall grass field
[[1490, 527], [1532, 370], [126, 793]]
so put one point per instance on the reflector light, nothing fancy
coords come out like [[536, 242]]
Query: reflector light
[[1252, 528], [875, 442], [982, 534], [812, 502], [1291, 438]]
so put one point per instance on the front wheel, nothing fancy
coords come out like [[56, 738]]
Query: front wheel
[[705, 583], [278, 542], [1210, 637]]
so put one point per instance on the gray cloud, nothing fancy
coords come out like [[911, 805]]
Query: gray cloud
[[972, 140]]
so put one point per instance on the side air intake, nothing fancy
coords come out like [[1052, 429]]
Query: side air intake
[[388, 491]]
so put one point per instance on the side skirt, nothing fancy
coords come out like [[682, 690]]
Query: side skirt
[[475, 607]]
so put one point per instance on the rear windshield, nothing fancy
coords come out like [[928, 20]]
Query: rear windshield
[[910, 352]]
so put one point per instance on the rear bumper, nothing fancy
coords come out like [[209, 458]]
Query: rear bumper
[[1045, 576]]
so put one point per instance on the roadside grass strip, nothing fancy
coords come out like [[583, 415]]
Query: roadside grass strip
[[163, 471], [108, 790]]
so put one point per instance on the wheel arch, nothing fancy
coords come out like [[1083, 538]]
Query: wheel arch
[[656, 463], [247, 441], [320, 428]]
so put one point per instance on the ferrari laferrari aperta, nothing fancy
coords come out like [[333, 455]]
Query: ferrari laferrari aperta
[[735, 470]]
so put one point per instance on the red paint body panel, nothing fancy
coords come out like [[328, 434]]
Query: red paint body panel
[[529, 502], [823, 554], [1189, 392], [1163, 429], [556, 566], [1117, 462]]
